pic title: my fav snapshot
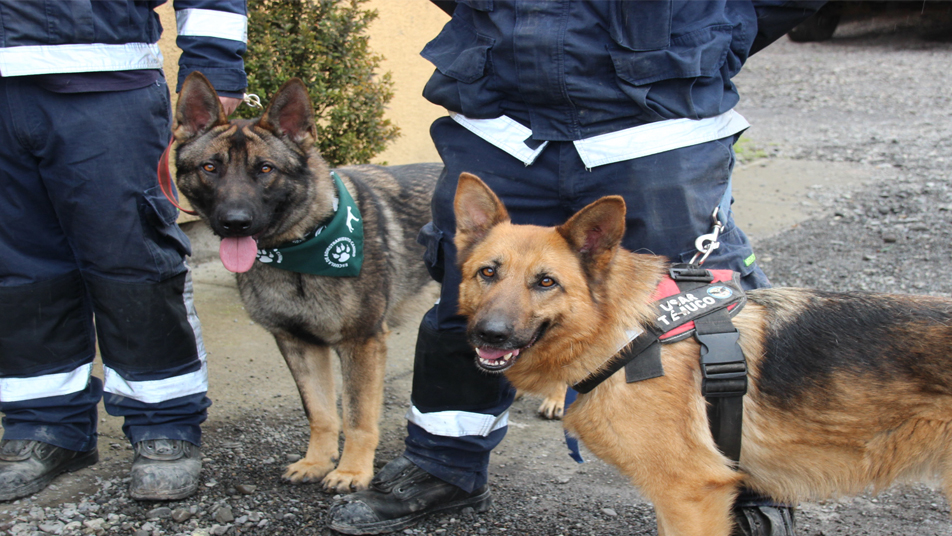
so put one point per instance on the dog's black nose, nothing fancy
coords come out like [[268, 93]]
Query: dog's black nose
[[493, 331], [235, 220]]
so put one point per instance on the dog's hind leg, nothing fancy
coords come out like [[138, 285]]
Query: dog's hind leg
[[363, 365], [313, 372]]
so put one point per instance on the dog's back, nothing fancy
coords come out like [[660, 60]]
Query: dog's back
[[396, 201], [853, 390]]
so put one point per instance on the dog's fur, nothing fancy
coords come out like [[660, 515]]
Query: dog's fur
[[848, 391], [309, 314]]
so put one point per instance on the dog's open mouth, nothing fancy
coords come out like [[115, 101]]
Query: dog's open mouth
[[495, 359]]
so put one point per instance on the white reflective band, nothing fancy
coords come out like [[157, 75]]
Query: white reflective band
[[64, 383], [189, 297], [210, 23], [155, 391], [503, 132], [636, 142], [655, 138], [457, 423], [49, 59]]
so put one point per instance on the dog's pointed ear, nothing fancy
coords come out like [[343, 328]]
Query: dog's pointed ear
[[198, 108], [595, 232], [477, 211], [290, 113]]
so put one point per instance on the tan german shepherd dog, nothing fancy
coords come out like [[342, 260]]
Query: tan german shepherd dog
[[848, 391], [261, 184]]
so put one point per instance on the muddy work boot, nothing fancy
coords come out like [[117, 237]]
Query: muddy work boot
[[763, 520], [165, 470], [399, 496], [28, 466]]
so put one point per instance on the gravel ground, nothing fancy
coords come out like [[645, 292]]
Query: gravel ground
[[878, 95]]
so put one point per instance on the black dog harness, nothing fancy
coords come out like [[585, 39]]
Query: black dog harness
[[699, 302]]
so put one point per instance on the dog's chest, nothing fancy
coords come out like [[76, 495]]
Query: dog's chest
[[288, 301]]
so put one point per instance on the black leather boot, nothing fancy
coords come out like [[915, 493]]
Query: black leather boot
[[399, 496], [165, 470], [764, 519], [27, 466]]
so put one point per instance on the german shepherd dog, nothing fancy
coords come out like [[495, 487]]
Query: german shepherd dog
[[847, 391], [262, 184]]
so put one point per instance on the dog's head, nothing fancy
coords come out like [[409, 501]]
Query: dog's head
[[525, 286], [251, 180]]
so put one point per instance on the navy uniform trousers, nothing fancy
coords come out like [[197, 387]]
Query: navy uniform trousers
[[89, 250], [670, 198]]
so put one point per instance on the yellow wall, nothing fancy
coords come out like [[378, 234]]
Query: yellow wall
[[401, 30]]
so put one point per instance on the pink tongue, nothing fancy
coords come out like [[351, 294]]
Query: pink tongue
[[492, 354], [238, 254]]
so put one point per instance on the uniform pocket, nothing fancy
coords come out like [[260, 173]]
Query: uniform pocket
[[695, 54], [641, 25], [166, 240], [459, 52], [431, 238]]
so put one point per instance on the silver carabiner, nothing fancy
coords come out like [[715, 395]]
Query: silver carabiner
[[252, 100], [707, 243]]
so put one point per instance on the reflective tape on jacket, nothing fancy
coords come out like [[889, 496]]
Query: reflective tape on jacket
[[79, 58], [195, 22], [628, 144]]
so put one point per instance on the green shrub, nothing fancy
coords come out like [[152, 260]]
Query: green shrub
[[324, 43]]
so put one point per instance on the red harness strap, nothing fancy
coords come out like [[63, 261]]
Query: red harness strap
[[165, 179], [674, 305]]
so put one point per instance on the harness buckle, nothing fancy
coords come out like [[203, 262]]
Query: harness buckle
[[690, 272], [722, 364]]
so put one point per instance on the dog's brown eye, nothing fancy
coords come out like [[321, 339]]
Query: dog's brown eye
[[267, 168], [209, 167], [488, 272], [547, 282]]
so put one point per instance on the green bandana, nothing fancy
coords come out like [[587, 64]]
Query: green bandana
[[334, 249]]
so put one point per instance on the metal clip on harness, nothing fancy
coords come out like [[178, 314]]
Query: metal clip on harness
[[707, 243]]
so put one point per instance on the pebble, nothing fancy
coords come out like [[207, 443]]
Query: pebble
[[246, 489], [180, 515], [224, 515], [162, 512]]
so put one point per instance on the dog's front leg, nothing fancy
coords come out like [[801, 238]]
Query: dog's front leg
[[313, 373], [363, 366], [703, 511]]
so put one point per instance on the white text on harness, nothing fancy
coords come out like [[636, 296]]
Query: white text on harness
[[682, 305]]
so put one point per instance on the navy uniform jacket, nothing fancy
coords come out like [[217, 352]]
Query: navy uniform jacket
[[571, 70], [40, 37]]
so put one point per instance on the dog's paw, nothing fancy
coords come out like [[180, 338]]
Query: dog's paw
[[346, 481], [303, 471], [552, 408]]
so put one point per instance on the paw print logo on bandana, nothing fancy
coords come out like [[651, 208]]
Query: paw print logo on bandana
[[339, 252], [269, 256], [342, 253]]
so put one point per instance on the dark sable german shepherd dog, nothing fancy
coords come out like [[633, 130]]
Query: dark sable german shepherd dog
[[261, 184], [848, 391]]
